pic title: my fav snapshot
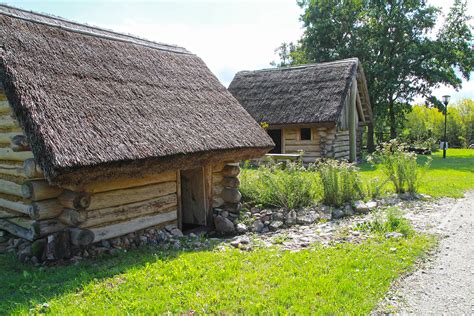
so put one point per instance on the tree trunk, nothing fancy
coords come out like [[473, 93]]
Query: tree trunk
[[391, 115], [370, 138]]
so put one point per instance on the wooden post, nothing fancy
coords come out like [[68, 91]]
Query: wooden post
[[178, 196], [352, 122]]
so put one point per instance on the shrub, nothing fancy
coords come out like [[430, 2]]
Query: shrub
[[340, 182], [400, 166], [282, 185], [393, 222]]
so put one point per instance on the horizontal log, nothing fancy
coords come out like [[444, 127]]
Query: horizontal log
[[9, 154], [71, 217], [5, 107], [129, 211], [123, 228], [16, 218], [12, 170], [38, 190], [11, 188], [131, 195], [74, 200], [19, 231], [45, 209], [80, 236], [6, 138], [295, 148], [31, 169], [19, 207], [7, 122], [20, 143], [123, 183]]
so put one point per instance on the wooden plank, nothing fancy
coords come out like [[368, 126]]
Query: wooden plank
[[9, 154], [131, 195], [11, 188], [178, 197], [4, 107], [123, 228], [207, 171], [128, 211], [124, 183], [283, 140], [193, 196]]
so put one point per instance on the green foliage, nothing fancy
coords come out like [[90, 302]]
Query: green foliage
[[390, 221], [399, 166], [395, 41], [344, 279], [279, 185], [340, 182]]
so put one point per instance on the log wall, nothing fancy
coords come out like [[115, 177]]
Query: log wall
[[28, 206]]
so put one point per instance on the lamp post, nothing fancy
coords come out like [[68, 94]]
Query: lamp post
[[445, 102]]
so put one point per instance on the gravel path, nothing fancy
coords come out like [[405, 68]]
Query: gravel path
[[445, 283]]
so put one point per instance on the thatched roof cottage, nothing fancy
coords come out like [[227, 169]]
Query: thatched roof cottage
[[109, 133], [320, 109]]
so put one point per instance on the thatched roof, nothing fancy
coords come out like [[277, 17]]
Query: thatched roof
[[88, 97], [305, 94]]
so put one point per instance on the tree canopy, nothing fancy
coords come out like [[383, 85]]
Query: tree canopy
[[395, 40]]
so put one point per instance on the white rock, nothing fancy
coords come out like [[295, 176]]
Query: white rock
[[241, 228], [361, 207], [371, 205]]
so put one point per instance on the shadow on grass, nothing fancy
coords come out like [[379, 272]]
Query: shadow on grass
[[24, 286]]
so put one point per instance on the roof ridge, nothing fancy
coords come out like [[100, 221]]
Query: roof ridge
[[304, 66], [109, 34]]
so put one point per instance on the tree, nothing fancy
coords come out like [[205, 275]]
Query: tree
[[394, 40]]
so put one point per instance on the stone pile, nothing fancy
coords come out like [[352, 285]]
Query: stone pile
[[51, 250]]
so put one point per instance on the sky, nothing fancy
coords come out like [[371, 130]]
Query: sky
[[229, 35]]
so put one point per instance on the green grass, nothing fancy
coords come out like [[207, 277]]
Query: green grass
[[347, 278], [448, 177]]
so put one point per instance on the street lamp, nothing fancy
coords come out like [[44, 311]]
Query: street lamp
[[445, 99]]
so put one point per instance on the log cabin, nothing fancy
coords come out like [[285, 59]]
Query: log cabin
[[104, 134], [320, 109]]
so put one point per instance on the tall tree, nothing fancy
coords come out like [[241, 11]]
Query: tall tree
[[394, 40]]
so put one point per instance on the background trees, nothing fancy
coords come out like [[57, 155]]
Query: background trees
[[395, 41]]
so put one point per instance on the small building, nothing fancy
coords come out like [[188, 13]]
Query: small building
[[320, 109], [103, 134]]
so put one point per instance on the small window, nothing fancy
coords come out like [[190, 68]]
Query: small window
[[305, 134]]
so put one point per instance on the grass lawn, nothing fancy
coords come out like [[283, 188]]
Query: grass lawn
[[343, 279], [445, 177]]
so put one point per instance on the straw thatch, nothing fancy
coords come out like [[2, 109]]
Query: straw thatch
[[95, 103], [312, 93]]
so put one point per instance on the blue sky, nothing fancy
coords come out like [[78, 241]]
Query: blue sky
[[229, 35]]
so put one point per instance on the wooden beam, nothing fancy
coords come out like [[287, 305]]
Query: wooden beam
[[31, 169], [359, 108], [178, 197], [123, 183], [19, 207], [5, 107], [132, 195], [10, 188], [7, 122], [126, 212], [9, 154], [6, 138], [123, 228], [37, 190], [352, 122], [12, 170], [19, 231]]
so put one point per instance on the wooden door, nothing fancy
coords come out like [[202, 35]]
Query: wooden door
[[275, 135], [193, 197]]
